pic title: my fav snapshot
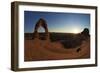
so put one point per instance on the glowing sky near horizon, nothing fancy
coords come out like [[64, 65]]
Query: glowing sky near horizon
[[57, 22]]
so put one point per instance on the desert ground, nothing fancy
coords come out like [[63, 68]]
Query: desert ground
[[74, 47]]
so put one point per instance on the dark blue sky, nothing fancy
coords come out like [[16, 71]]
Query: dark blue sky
[[57, 22]]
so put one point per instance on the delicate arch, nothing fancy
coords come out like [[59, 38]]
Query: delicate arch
[[41, 22]]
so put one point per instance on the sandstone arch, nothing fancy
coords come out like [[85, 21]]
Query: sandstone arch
[[41, 22]]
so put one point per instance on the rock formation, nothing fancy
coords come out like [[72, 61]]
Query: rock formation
[[85, 34], [41, 22]]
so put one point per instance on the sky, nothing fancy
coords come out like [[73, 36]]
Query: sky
[[57, 22]]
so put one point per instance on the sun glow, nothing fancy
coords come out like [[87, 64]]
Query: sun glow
[[76, 31]]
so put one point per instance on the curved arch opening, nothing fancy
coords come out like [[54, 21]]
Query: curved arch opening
[[41, 30]]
